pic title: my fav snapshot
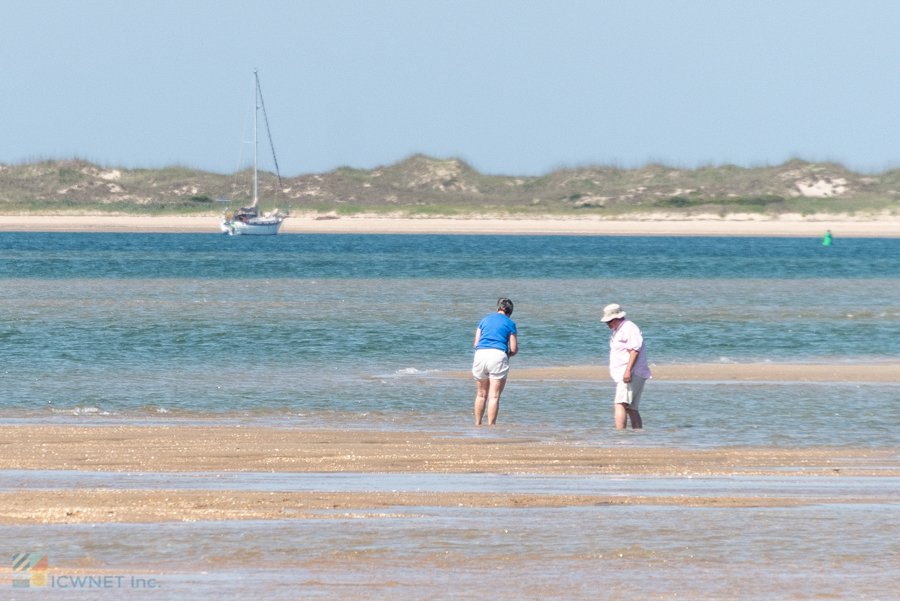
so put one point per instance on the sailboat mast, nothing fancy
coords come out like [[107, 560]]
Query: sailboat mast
[[255, 139]]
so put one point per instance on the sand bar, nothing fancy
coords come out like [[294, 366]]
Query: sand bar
[[142, 506], [715, 373], [208, 449], [256, 449], [650, 225]]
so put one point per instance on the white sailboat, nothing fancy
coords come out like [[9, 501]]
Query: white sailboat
[[247, 220]]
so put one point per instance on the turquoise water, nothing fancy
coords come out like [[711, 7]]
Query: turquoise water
[[355, 331], [207, 256]]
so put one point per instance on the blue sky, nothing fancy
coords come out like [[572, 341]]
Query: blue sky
[[519, 88]]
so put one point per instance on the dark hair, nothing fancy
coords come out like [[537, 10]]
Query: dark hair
[[505, 305]]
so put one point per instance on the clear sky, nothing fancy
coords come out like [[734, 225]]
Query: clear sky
[[518, 88]]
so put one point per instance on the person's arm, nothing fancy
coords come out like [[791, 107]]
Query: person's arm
[[513, 345], [632, 357], [477, 337]]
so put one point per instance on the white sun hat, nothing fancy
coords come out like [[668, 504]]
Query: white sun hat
[[611, 312]]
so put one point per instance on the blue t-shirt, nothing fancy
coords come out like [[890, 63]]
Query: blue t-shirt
[[495, 332]]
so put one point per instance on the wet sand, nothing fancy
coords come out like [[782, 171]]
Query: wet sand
[[242, 449], [143, 506], [645, 225], [227, 449], [724, 372]]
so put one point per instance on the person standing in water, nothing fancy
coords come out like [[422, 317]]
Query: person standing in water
[[495, 343], [627, 366]]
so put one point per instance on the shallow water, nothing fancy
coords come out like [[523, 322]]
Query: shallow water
[[375, 326], [687, 415], [794, 487], [354, 331], [841, 551]]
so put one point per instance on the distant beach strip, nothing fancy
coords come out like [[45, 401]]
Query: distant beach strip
[[757, 372], [651, 224]]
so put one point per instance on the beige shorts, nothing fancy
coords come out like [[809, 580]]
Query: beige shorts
[[490, 363], [629, 394]]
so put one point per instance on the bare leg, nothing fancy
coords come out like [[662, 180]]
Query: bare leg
[[481, 393], [621, 415], [635, 415], [493, 407]]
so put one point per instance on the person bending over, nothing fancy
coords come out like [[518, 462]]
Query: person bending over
[[495, 343]]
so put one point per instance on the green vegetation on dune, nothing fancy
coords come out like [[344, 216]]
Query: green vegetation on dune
[[424, 186], [759, 202], [72, 207]]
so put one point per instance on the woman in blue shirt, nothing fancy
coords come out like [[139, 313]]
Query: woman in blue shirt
[[495, 343]]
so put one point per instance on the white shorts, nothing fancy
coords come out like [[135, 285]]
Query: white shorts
[[629, 394], [490, 363]]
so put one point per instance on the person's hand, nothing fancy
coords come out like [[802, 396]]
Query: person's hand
[[627, 377]]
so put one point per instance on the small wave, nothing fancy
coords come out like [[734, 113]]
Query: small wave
[[413, 371], [86, 410]]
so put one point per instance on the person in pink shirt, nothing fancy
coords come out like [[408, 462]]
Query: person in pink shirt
[[627, 365]]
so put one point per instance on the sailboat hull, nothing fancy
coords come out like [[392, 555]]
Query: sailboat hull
[[263, 227]]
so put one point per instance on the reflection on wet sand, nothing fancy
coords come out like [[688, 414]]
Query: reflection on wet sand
[[614, 552]]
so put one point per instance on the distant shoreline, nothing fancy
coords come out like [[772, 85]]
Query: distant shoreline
[[632, 225]]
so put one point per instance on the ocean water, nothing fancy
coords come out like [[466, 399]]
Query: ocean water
[[357, 331]]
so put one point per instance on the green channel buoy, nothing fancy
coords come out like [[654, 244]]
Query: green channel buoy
[[826, 241]]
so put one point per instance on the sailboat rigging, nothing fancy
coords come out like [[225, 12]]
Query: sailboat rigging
[[247, 220]]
